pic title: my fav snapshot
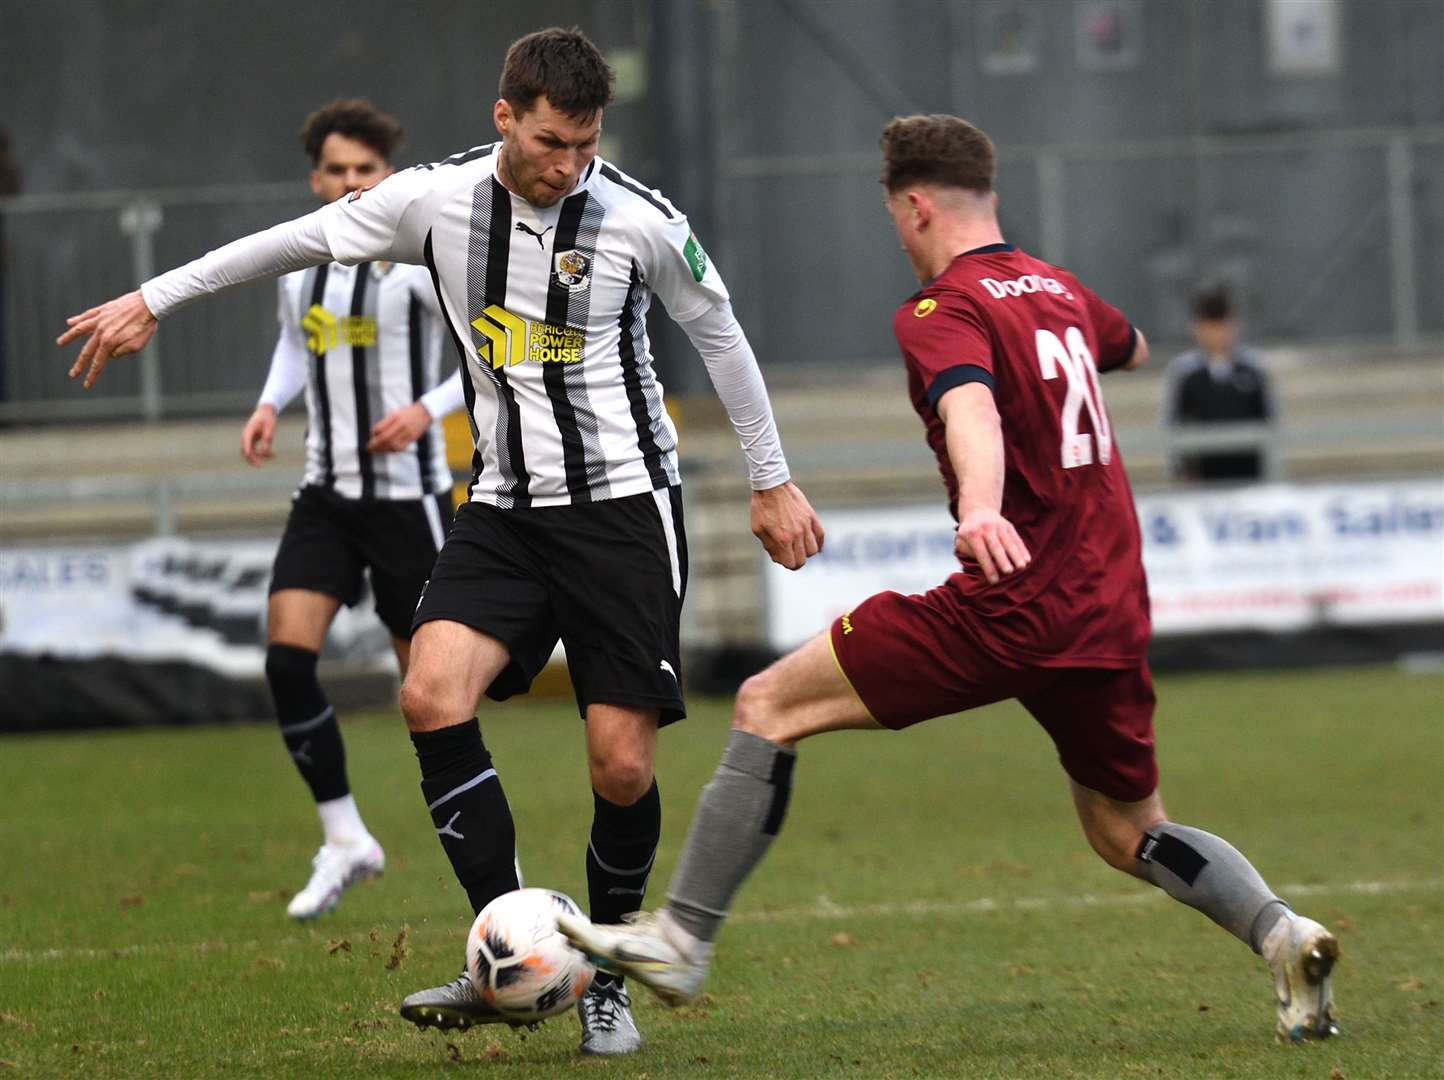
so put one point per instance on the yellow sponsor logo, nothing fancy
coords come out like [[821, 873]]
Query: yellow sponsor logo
[[511, 340], [325, 331], [925, 308], [847, 623]]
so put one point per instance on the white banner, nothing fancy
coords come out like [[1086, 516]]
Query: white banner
[[1278, 557], [163, 599]]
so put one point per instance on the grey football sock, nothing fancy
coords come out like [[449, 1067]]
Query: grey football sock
[[739, 813], [1207, 873]]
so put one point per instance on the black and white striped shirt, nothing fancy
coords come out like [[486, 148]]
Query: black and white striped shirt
[[548, 307], [364, 341]]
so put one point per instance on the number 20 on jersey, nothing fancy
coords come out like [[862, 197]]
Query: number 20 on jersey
[[1071, 357]]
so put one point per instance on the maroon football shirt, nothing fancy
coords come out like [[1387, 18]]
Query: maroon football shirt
[[1038, 338]]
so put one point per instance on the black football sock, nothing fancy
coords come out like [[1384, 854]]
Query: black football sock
[[469, 810], [739, 813], [308, 723], [1207, 873], [620, 853]]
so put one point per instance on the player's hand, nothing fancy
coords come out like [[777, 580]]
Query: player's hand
[[399, 429], [117, 327], [989, 539], [257, 435], [784, 521]]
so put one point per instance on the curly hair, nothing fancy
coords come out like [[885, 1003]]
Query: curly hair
[[562, 65], [937, 149], [355, 118]]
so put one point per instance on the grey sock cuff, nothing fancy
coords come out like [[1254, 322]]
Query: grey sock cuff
[[753, 755], [1267, 918]]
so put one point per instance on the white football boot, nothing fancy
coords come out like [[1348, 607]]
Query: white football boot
[[1302, 955], [335, 869], [650, 948], [608, 1029]]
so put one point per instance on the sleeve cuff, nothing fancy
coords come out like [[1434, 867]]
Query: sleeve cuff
[[771, 479], [952, 377], [1127, 352]]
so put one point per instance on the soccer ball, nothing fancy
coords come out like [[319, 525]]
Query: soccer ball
[[518, 960]]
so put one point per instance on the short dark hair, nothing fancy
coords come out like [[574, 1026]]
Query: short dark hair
[[562, 65], [1213, 303], [356, 118], [937, 149]]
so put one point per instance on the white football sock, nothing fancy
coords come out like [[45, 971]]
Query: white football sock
[[341, 822]]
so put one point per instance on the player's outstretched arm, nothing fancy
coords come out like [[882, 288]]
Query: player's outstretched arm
[[126, 324], [117, 327], [785, 522], [975, 448]]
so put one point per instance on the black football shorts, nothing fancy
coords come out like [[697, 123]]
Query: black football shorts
[[605, 578], [330, 541]]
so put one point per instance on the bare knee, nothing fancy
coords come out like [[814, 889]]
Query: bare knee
[[757, 710], [1116, 829], [426, 704], [620, 776], [1118, 848]]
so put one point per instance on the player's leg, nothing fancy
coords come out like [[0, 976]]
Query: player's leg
[[296, 625], [742, 809], [739, 814], [451, 664], [619, 576], [621, 847], [1102, 723], [400, 544], [626, 808], [316, 570], [446, 663], [481, 626], [891, 662]]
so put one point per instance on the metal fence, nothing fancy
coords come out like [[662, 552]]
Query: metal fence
[[63, 253], [810, 258], [1362, 257]]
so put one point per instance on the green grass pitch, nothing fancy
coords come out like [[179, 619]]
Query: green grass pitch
[[929, 910]]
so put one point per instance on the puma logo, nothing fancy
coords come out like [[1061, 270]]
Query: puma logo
[[522, 226], [668, 669], [447, 830], [301, 756]]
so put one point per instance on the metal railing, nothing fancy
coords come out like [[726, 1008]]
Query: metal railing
[[1324, 234], [64, 253], [1367, 276]]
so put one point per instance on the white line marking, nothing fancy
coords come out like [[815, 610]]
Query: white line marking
[[824, 908], [827, 908]]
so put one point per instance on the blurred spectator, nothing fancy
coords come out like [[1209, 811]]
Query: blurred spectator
[[9, 185], [1218, 382]]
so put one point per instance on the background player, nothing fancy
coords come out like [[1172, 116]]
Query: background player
[[546, 259], [365, 344], [1051, 607]]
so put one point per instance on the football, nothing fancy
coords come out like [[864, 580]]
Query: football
[[518, 961]]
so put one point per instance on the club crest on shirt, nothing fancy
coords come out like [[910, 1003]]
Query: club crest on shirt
[[572, 270]]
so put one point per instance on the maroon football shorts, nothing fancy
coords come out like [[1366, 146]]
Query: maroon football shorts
[[911, 658]]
